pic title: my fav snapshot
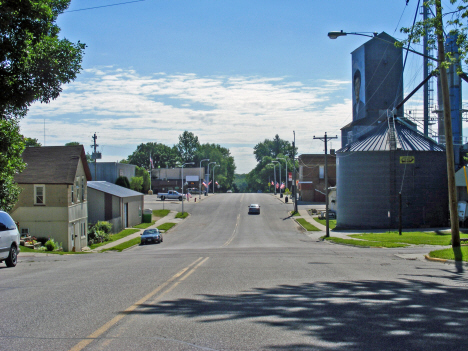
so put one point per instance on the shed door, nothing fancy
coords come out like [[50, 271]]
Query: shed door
[[126, 215]]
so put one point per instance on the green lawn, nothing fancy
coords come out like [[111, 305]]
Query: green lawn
[[415, 238], [166, 226], [181, 215], [294, 214], [114, 237], [27, 249], [331, 222], [125, 245], [161, 213], [309, 227], [460, 254], [144, 225], [364, 242]]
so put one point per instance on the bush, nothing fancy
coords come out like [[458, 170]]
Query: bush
[[123, 181], [50, 245], [101, 226]]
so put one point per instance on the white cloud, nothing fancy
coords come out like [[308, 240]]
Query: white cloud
[[127, 109]]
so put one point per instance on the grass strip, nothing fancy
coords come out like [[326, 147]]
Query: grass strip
[[166, 226], [144, 225], [331, 222], [294, 214], [307, 226], [27, 249], [125, 245], [181, 215], [414, 238], [114, 237], [161, 213], [457, 254], [364, 243]]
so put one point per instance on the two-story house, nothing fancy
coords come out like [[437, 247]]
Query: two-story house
[[53, 201]]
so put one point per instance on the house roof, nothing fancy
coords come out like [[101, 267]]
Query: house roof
[[52, 165], [113, 189], [380, 139]]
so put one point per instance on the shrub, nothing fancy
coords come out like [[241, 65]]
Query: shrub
[[101, 226], [50, 245], [123, 181]]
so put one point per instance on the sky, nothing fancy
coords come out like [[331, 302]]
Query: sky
[[233, 73]]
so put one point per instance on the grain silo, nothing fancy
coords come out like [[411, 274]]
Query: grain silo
[[392, 157]]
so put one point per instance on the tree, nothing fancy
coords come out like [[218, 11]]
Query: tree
[[136, 183], [187, 146], [11, 163], [123, 181], [435, 28], [30, 142], [72, 143], [273, 148], [162, 155], [144, 174], [34, 65], [34, 61]]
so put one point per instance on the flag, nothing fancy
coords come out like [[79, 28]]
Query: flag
[[151, 162], [189, 195], [277, 185], [209, 182], [273, 183], [204, 184], [282, 185], [216, 183]]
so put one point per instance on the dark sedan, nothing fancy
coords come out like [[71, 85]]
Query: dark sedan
[[151, 236], [254, 208]]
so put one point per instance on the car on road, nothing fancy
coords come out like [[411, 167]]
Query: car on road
[[9, 240], [150, 236], [254, 208], [229, 191], [171, 195]]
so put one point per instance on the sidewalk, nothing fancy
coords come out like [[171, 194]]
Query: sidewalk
[[169, 218]]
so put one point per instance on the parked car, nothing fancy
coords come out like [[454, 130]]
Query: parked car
[[254, 208], [151, 236], [193, 190], [229, 191], [171, 195], [331, 214], [9, 240]]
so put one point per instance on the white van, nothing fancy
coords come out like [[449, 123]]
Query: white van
[[9, 240]]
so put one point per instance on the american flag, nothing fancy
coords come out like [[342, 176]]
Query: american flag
[[204, 184], [216, 183], [282, 186], [277, 185], [151, 162], [273, 183]]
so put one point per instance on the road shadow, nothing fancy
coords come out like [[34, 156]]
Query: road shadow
[[363, 315]]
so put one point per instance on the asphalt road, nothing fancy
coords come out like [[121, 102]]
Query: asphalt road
[[226, 280]]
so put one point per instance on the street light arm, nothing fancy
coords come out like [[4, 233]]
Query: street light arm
[[336, 34]]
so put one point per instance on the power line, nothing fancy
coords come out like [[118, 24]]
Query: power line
[[98, 7]]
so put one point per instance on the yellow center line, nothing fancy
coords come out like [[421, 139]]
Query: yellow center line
[[82, 344], [233, 233]]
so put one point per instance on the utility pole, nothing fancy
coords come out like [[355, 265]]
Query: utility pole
[[448, 130], [94, 137], [325, 139], [294, 176]]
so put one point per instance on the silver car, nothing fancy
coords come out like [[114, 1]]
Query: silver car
[[254, 208], [9, 240]]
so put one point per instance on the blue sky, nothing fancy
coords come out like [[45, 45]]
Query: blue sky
[[232, 72]]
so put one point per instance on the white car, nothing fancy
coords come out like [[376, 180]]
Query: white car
[[9, 240]]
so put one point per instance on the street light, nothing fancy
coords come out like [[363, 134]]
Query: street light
[[285, 161], [187, 163], [214, 177], [447, 120], [199, 181], [274, 170], [208, 185]]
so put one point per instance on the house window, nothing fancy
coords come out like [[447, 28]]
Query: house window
[[72, 193], [82, 189], [321, 172], [39, 195], [83, 229], [77, 184]]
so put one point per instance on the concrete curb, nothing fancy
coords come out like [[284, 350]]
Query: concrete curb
[[443, 260]]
